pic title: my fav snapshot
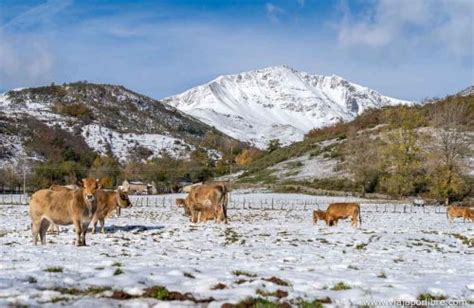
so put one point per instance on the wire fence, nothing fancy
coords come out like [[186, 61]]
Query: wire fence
[[237, 202]]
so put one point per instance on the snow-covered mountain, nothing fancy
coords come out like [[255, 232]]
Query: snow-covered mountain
[[276, 103]]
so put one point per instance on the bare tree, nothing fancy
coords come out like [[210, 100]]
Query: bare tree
[[450, 146]]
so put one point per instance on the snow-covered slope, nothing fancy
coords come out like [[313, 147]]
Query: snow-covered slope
[[276, 102], [467, 91], [39, 123]]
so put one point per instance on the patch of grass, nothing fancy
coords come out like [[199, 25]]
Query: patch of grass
[[361, 246], [255, 302], [340, 286], [78, 292], [99, 268], [382, 275], [277, 293], [97, 290], [243, 273], [188, 275], [310, 304], [69, 291], [59, 299], [31, 279], [231, 236], [464, 239], [118, 264], [159, 293], [277, 281], [430, 297], [219, 286], [118, 271], [54, 269]]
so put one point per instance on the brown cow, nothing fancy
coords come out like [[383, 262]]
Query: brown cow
[[319, 215], [63, 207], [459, 211], [336, 211], [107, 202], [208, 197]]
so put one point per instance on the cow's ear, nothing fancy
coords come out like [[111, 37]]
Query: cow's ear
[[83, 183]]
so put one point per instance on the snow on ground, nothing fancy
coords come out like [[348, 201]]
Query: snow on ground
[[393, 256]]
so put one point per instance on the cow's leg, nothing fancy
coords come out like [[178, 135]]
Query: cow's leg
[[43, 229], [118, 211], [78, 229], [354, 220], [83, 233], [94, 224], [199, 216], [102, 225], [35, 227]]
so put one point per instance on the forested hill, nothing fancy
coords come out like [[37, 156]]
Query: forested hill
[[425, 149]]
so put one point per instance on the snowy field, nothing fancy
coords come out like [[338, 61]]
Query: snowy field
[[152, 252]]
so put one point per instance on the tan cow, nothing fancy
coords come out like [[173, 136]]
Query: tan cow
[[107, 202], [319, 215], [459, 211], [336, 211], [63, 207], [208, 197]]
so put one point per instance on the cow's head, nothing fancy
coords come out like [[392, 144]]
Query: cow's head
[[90, 187], [319, 215], [122, 199], [180, 202]]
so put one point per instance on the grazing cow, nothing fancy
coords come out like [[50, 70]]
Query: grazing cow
[[63, 207], [459, 211], [208, 197], [319, 215], [107, 201], [336, 211]]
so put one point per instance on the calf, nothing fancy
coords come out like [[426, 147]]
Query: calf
[[63, 207], [336, 211], [107, 202]]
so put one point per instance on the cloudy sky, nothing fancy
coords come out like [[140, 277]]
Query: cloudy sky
[[409, 49]]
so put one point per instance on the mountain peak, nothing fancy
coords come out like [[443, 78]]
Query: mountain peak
[[276, 102]]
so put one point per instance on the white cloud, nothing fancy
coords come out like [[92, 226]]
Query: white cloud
[[273, 11], [26, 57], [37, 15], [442, 23]]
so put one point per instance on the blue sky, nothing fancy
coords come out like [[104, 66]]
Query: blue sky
[[409, 49]]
